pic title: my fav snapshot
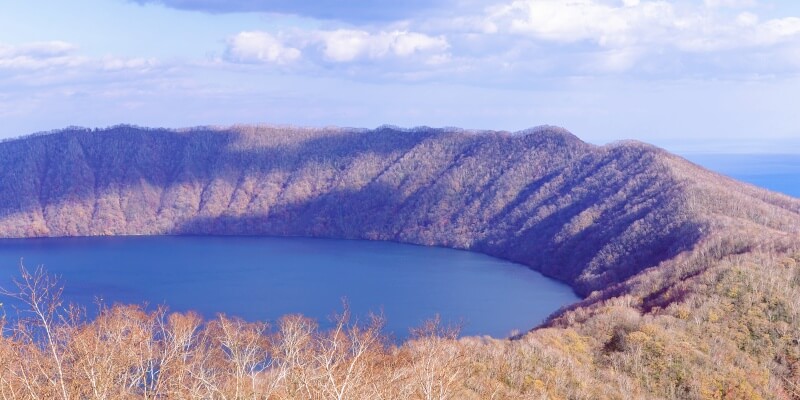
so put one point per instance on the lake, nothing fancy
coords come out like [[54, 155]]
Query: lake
[[262, 278]]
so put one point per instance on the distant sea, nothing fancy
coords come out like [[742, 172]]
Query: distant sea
[[777, 172]]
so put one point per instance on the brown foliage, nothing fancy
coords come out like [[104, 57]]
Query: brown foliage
[[691, 279], [127, 353], [589, 215]]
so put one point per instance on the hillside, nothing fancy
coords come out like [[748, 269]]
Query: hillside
[[691, 279], [588, 215]]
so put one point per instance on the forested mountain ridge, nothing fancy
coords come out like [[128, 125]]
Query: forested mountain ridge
[[588, 215], [691, 279]]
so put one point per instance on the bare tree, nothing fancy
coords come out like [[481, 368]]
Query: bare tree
[[41, 294]]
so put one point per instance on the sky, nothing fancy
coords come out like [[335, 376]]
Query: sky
[[703, 76]]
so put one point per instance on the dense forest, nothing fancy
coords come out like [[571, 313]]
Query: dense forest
[[691, 280]]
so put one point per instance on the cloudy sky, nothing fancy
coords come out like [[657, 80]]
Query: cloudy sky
[[699, 75]]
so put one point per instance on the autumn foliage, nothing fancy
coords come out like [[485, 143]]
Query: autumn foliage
[[691, 280], [127, 353]]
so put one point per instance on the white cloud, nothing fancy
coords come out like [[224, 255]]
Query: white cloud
[[616, 60], [39, 55], [65, 56], [775, 30], [261, 47], [335, 46], [586, 20], [746, 32], [516, 41], [118, 64], [642, 23], [345, 45], [557, 37], [40, 49], [730, 3], [746, 19]]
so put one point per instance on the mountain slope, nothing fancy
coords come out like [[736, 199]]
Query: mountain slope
[[588, 215], [691, 279]]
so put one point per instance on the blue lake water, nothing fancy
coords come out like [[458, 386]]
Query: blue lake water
[[262, 278], [778, 172]]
